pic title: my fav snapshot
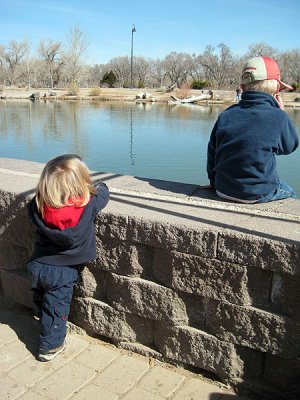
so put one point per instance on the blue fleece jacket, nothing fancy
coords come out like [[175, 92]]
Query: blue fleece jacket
[[243, 144], [71, 246]]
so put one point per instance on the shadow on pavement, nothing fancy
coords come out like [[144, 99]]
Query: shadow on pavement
[[22, 326]]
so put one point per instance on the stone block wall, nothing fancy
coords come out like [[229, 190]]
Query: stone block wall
[[224, 302], [220, 300]]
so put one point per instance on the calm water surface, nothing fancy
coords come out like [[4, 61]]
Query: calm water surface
[[145, 140]]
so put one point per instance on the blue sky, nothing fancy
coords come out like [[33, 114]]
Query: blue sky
[[162, 26]]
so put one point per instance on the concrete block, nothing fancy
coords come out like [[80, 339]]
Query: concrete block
[[259, 286], [99, 318], [196, 307], [198, 348], [110, 226], [172, 237], [55, 385], [124, 258], [282, 257], [16, 287], [19, 229], [98, 356], [141, 349], [145, 298], [254, 328], [285, 295], [92, 282], [194, 388], [161, 381], [138, 393], [93, 392], [30, 372], [197, 275], [282, 373], [13, 256], [122, 374], [10, 389], [252, 361], [12, 354]]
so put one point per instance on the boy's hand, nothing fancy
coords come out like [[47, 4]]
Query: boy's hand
[[279, 100]]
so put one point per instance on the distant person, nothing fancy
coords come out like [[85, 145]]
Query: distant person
[[63, 210], [246, 138], [238, 94]]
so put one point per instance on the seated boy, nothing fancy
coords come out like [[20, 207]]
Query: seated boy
[[241, 162]]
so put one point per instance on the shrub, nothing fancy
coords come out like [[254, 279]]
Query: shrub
[[199, 85], [109, 78], [184, 91], [95, 91], [72, 89], [141, 85]]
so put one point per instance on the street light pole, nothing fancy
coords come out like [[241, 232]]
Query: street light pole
[[131, 60]]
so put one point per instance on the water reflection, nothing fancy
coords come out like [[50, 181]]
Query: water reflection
[[131, 154], [147, 139]]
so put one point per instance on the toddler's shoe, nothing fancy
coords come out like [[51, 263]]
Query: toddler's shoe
[[48, 355]]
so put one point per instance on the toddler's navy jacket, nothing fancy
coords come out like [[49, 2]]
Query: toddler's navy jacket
[[71, 246], [244, 141]]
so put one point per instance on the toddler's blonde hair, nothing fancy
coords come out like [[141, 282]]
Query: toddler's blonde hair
[[270, 86], [63, 179]]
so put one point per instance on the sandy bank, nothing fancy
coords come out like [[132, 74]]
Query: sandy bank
[[122, 94]]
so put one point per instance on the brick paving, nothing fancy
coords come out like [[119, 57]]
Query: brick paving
[[89, 369]]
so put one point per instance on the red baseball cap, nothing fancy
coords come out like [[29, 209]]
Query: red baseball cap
[[260, 69]]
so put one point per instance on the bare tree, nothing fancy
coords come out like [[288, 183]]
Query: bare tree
[[294, 68], [176, 66], [76, 46], [95, 74], [121, 68], [261, 50], [195, 68], [11, 56], [219, 68], [142, 69], [50, 52], [157, 73]]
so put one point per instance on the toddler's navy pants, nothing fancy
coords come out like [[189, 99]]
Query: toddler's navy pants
[[52, 287]]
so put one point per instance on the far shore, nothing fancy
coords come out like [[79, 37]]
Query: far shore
[[121, 94]]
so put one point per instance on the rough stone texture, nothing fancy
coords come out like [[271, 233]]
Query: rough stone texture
[[166, 236], [285, 295], [259, 252], [208, 278], [196, 309], [255, 328], [145, 298], [123, 257], [112, 226], [100, 318], [198, 348], [282, 373], [92, 283], [141, 349], [13, 256], [259, 286], [16, 287], [252, 361]]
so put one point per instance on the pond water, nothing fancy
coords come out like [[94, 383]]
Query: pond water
[[145, 140]]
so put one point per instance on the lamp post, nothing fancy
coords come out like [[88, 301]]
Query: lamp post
[[131, 60]]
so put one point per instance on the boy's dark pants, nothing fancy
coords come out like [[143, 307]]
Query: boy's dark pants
[[52, 287]]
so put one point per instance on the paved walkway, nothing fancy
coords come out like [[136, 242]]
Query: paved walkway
[[88, 369]]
